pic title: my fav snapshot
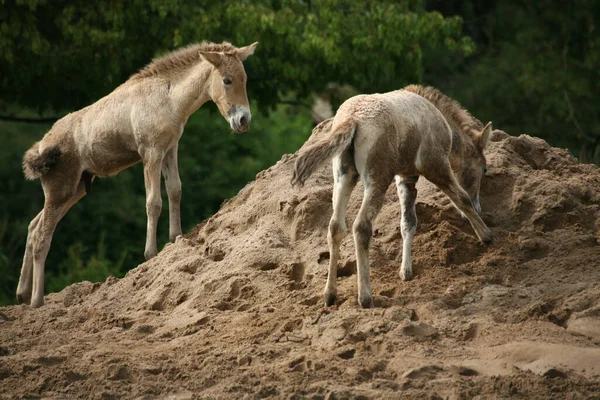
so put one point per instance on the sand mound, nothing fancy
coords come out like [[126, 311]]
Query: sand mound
[[234, 309]]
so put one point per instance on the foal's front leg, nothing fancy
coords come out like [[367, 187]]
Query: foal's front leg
[[440, 174], [173, 183], [461, 200], [407, 192], [152, 165]]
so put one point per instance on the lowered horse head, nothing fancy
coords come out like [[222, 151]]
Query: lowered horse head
[[468, 161], [469, 139], [227, 85]]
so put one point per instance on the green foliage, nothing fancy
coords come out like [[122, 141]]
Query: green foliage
[[537, 71], [44, 45], [374, 46], [17, 204], [55, 56], [74, 269]]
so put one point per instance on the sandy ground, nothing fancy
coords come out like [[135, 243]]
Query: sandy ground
[[234, 309]]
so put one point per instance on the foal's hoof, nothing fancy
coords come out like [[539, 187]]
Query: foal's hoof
[[173, 237], [487, 237], [37, 303], [148, 254], [366, 301], [329, 298], [23, 298], [406, 275]]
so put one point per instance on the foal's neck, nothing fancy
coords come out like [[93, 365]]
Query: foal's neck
[[190, 89], [457, 149]]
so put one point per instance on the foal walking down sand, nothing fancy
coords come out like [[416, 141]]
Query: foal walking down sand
[[398, 135], [141, 120]]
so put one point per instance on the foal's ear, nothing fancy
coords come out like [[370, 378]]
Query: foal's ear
[[212, 57], [484, 136], [246, 51]]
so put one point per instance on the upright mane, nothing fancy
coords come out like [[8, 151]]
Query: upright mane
[[180, 59], [458, 118]]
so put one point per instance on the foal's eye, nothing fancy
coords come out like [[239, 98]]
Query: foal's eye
[[484, 170], [227, 80]]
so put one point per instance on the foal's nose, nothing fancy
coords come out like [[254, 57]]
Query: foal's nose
[[476, 204], [243, 122], [240, 118]]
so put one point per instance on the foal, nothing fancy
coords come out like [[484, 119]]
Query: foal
[[397, 135], [141, 120]]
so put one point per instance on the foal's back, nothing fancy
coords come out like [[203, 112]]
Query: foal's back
[[395, 131], [106, 135]]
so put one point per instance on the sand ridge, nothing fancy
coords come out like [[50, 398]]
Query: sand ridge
[[233, 309]]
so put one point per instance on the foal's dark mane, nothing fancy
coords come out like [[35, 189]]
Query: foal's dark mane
[[457, 117]]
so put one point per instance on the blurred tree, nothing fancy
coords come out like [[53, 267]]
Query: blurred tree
[[537, 70], [64, 55]]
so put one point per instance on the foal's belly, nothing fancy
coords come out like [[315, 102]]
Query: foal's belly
[[107, 166], [109, 157]]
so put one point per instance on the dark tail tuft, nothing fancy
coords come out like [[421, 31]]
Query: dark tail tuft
[[36, 164], [298, 177]]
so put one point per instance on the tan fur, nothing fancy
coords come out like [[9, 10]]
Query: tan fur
[[458, 118], [181, 59], [397, 135], [141, 120]]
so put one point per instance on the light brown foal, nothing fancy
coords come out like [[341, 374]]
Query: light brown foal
[[398, 135], [141, 120]]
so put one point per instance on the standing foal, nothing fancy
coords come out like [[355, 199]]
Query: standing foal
[[141, 120], [397, 135]]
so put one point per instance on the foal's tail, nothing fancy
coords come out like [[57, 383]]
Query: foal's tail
[[36, 164], [326, 145]]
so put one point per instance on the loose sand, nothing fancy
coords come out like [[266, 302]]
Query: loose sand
[[234, 309]]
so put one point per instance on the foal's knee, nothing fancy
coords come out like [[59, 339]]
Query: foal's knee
[[153, 208], [174, 190], [408, 225], [363, 230], [337, 231], [32, 225], [176, 194]]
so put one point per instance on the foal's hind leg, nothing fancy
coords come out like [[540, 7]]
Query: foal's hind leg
[[25, 283], [173, 183], [59, 199], [374, 194], [407, 193], [444, 179], [345, 177]]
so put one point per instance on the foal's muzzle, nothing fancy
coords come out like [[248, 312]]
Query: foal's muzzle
[[239, 118]]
